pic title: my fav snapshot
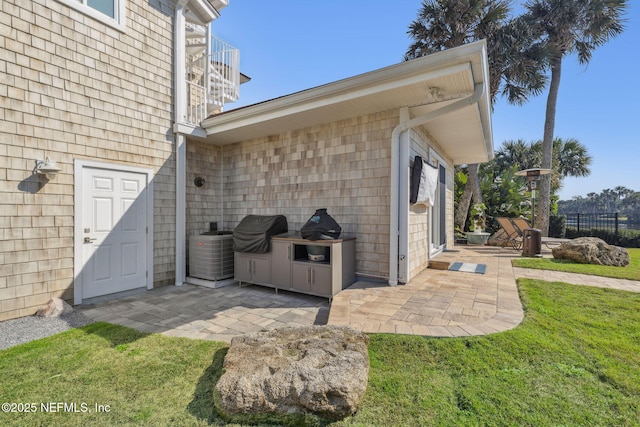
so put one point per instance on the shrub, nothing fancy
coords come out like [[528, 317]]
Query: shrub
[[625, 238], [557, 226]]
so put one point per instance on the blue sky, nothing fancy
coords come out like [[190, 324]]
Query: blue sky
[[291, 45]]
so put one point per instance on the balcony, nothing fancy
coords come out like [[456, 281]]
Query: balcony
[[212, 74]]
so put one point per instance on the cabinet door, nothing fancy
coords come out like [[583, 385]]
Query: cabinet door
[[242, 267], [261, 271], [301, 276], [321, 280], [281, 262]]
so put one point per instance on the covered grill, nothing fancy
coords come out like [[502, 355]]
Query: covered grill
[[254, 232]]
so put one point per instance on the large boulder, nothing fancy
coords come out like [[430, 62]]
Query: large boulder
[[292, 374], [591, 250]]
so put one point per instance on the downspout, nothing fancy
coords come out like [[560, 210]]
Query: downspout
[[180, 141], [179, 72], [403, 193], [399, 225], [207, 69]]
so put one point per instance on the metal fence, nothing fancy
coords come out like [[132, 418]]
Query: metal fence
[[613, 222]]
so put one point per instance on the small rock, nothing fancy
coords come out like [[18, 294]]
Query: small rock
[[54, 308], [318, 371], [591, 250]]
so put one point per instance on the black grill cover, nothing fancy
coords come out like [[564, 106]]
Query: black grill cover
[[321, 226], [254, 232]]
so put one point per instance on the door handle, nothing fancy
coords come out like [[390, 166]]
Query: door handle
[[89, 239]]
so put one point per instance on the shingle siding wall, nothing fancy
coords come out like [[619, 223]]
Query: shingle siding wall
[[204, 204], [343, 166], [419, 216], [73, 88]]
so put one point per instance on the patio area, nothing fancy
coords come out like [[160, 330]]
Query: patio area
[[436, 303]]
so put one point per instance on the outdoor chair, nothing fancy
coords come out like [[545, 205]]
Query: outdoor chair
[[520, 224], [511, 236]]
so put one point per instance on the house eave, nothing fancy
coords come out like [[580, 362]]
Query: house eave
[[204, 10], [419, 84]]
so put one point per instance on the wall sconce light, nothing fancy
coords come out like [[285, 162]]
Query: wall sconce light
[[47, 168], [199, 181]]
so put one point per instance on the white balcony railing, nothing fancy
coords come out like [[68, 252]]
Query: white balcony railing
[[196, 103], [213, 79]]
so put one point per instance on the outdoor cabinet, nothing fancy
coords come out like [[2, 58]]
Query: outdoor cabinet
[[281, 259], [293, 271], [288, 266], [253, 268], [314, 279]]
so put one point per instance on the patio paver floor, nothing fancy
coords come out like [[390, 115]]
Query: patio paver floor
[[435, 303]]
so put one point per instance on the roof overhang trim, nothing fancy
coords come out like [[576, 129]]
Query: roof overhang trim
[[454, 72], [204, 10]]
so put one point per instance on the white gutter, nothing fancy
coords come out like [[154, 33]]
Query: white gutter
[[204, 11], [404, 143], [180, 83], [399, 225], [180, 141]]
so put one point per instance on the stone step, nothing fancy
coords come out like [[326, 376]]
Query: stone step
[[439, 265]]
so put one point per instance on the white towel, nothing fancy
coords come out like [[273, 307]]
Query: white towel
[[428, 185]]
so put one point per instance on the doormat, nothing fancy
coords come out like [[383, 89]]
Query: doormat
[[468, 267]]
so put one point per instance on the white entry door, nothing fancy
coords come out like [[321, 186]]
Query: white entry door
[[438, 225], [114, 227]]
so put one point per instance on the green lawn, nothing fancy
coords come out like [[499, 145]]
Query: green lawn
[[631, 271], [146, 379], [574, 361]]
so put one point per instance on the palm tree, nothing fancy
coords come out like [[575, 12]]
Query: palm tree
[[568, 27], [622, 192], [592, 205], [471, 191], [609, 197], [572, 157], [631, 207], [519, 153], [514, 69]]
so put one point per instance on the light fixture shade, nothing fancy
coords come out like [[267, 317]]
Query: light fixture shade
[[533, 173], [47, 167]]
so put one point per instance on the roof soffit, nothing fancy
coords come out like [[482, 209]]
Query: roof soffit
[[424, 85], [203, 10]]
